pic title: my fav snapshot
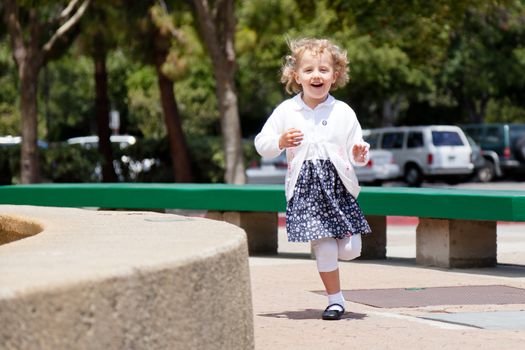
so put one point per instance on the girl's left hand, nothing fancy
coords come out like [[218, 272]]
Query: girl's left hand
[[360, 151]]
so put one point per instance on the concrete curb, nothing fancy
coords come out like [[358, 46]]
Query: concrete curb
[[124, 280]]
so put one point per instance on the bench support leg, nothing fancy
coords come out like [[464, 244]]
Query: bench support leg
[[456, 243], [260, 227], [374, 244]]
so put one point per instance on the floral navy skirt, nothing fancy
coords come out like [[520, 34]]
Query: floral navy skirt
[[321, 206]]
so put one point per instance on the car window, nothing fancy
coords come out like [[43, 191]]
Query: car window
[[493, 135], [415, 139], [516, 132], [372, 139], [392, 140], [474, 132], [446, 138]]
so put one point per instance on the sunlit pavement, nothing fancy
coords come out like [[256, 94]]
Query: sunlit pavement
[[288, 298]]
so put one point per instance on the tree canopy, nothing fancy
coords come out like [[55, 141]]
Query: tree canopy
[[411, 62]]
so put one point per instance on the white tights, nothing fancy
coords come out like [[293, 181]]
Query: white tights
[[328, 250]]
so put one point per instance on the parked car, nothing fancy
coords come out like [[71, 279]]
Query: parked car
[[483, 171], [16, 140], [429, 152], [268, 171], [381, 166], [503, 146], [91, 141], [123, 141]]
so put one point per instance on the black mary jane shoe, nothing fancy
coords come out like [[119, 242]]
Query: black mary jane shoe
[[330, 314]]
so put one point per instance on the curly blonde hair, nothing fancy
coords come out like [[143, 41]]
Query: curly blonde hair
[[317, 46]]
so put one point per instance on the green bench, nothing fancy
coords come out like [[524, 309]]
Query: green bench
[[457, 228]]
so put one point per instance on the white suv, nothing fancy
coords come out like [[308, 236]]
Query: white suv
[[426, 152]]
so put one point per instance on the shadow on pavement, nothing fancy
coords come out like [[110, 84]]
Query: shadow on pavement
[[285, 255], [311, 314]]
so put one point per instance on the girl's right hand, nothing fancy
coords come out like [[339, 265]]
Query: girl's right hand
[[290, 138]]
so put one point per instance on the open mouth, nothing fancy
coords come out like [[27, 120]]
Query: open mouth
[[317, 85]]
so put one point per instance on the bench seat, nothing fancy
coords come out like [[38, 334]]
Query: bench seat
[[457, 227]]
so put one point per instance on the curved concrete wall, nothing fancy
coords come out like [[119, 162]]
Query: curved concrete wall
[[124, 280]]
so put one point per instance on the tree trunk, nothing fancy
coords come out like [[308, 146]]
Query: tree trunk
[[102, 113], [391, 111], [29, 55], [29, 159], [182, 171], [230, 128], [476, 109], [217, 27]]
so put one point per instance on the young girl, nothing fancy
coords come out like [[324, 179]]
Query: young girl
[[323, 141]]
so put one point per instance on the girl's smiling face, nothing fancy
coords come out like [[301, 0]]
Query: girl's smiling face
[[315, 73]]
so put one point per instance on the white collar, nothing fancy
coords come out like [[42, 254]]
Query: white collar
[[299, 103]]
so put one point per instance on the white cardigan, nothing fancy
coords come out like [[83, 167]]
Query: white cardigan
[[332, 125]]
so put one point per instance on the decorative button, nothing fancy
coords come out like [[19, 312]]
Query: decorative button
[[325, 122]]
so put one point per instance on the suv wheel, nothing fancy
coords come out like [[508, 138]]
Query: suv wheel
[[487, 172], [413, 176]]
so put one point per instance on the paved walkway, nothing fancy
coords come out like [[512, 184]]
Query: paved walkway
[[287, 303]]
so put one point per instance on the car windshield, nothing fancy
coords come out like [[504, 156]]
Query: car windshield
[[446, 138]]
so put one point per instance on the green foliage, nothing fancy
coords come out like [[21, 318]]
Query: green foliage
[[397, 50], [70, 163], [197, 100], [144, 102], [148, 160], [250, 153], [504, 111], [194, 80], [9, 164], [10, 119], [207, 157], [387, 68], [120, 66], [102, 27], [261, 47], [9, 111], [67, 95], [188, 65], [439, 61], [486, 61], [66, 99]]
